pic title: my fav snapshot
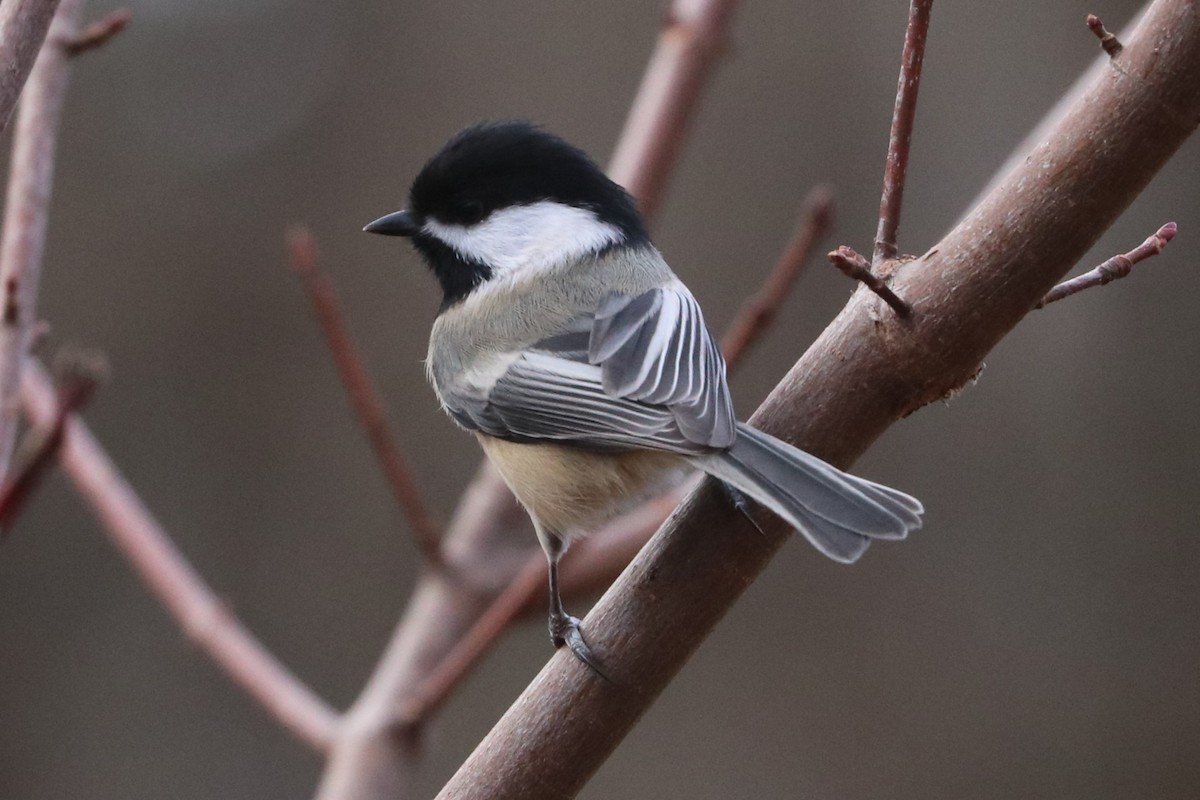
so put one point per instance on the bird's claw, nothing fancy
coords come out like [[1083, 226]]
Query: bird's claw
[[565, 630]]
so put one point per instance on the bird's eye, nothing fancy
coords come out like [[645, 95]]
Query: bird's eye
[[470, 211]]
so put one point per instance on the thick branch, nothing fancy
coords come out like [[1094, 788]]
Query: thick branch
[[860, 376], [1051, 119], [169, 577], [23, 28], [25, 211]]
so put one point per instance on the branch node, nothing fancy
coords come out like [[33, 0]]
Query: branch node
[[1108, 39], [77, 373], [857, 267], [98, 33], [1116, 267]]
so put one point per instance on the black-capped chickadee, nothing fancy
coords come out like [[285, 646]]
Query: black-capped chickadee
[[583, 365]]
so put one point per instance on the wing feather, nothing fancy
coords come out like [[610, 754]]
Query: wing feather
[[648, 374]]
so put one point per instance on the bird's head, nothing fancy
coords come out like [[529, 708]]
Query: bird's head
[[508, 197]]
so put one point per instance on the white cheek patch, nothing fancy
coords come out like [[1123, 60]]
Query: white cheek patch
[[531, 237]]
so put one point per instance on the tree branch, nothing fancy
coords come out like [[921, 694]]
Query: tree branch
[[23, 28], [368, 405], [855, 266], [204, 618], [903, 117], [76, 376], [29, 184], [692, 38], [1108, 40], [861, 375], [1116, 267], [98, 33], [1054, 116]]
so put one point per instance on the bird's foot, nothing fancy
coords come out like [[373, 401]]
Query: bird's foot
[[565, 630], [741, 503]]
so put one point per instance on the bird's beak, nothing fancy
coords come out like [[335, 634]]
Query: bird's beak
[[398, 223]]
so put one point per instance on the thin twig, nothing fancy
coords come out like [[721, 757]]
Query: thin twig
[[1108, 39], [857, 267], [77, 374], [900, 139], [816, 217], [98, 33], [30, 181], [1116, 267], [204, 618], [368, 405], [692, 37], [24, 25]]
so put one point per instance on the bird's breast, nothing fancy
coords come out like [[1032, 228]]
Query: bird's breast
[[573, 491]]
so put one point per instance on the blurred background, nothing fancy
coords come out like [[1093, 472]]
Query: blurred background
[[1037, 639]]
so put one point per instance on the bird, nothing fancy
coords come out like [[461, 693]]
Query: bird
[[582, 364]]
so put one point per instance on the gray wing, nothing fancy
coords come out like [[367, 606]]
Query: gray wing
[[655, 348], [638, 372]]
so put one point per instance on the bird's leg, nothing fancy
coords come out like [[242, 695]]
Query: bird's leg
[[740, 502], [564, 629]]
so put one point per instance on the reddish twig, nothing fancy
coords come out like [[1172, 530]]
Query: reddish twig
[[368, 406], [25, 212], [692, 38], [204, 618], [855, 266], [98, 33], [24, 25], [1108, 39], [1116, 267], [816, 217], [900, 139], [77, 374]]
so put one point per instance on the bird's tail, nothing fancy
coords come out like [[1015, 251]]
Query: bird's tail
[[839, 513]]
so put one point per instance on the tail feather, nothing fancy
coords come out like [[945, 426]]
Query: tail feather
[[839, 513]]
